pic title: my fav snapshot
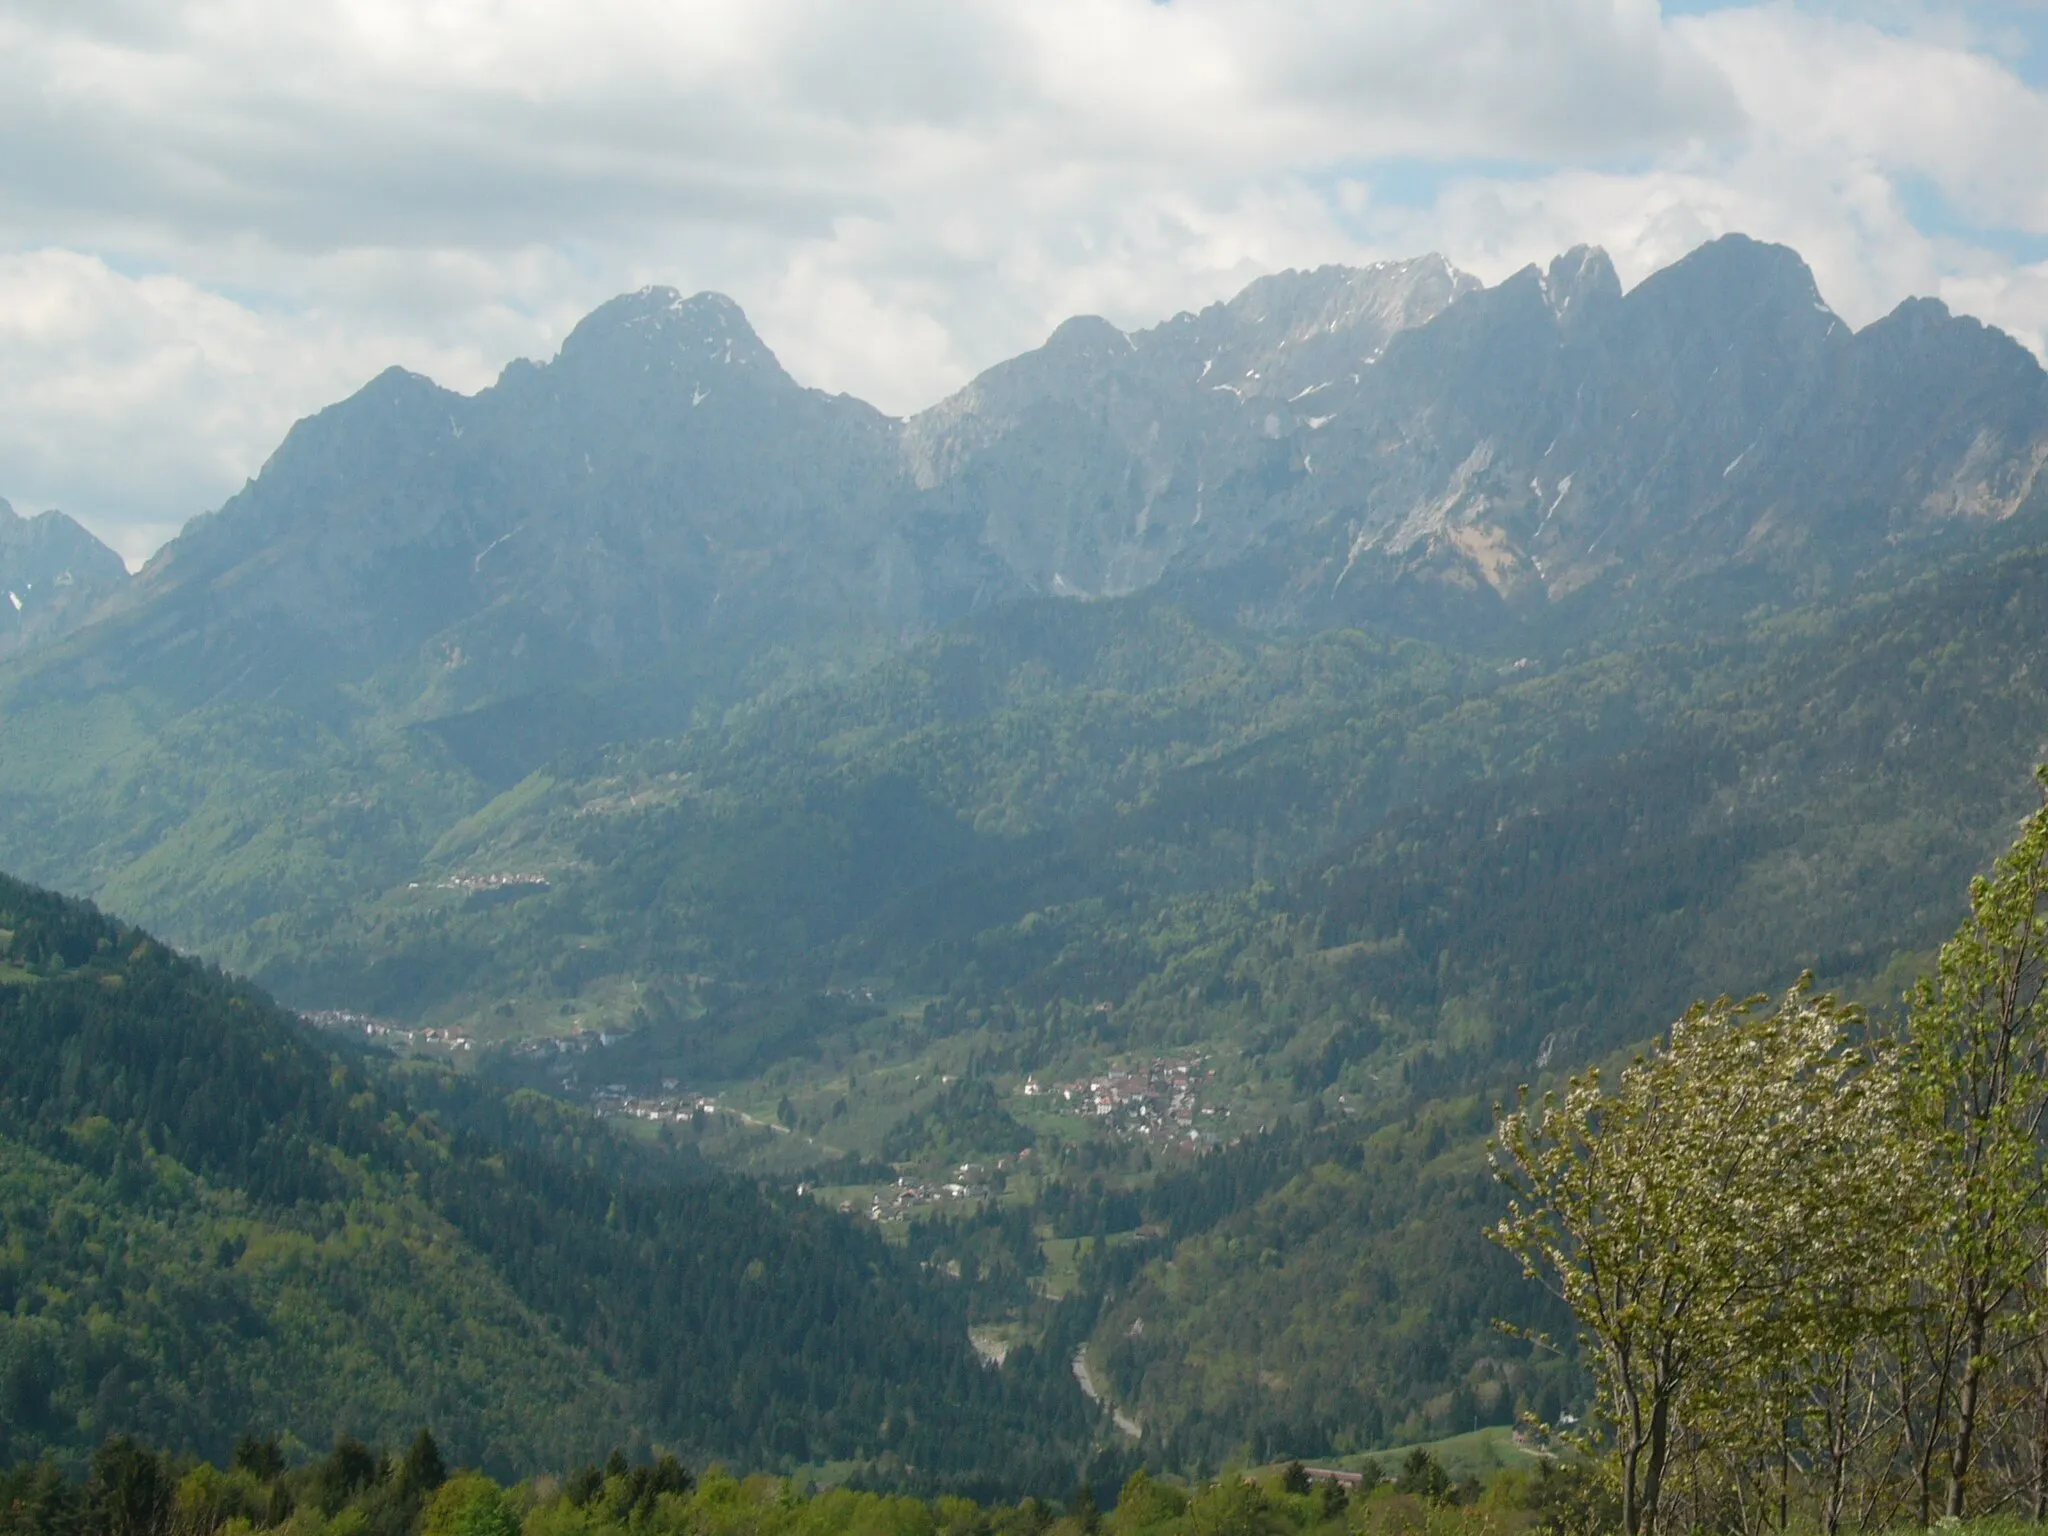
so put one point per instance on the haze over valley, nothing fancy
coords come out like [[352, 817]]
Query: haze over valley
[[1181, 764], [1055, 818]]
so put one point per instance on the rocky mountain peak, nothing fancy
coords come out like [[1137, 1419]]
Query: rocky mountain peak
[[1086, 338], [1580, 283], [657, 327], [1075, 362], [52, 573], [1962, 340], [1375, 300], [1947, 349], [1739, 284], [1388, 443]]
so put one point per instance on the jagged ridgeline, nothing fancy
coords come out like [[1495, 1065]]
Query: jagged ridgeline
[[213, 1222], [403, 658]]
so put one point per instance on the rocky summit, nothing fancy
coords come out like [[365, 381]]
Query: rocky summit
[[52, 573], [1401, 444]]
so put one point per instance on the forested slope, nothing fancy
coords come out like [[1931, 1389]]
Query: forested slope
[[1821, 807], [1339, 830], [215, 1222]]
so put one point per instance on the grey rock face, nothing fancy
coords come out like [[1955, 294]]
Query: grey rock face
[[52, 573], [661, 487], [1093, 464], [1369, 444]]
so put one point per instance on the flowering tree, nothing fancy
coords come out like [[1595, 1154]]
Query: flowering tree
[[1977, 1071], [1723, 1228]]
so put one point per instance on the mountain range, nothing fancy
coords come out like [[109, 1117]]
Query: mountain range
[[1392, 444], [1381, 687]]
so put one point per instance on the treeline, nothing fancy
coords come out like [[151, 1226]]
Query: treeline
[[356, 1490], [1809, 1260]]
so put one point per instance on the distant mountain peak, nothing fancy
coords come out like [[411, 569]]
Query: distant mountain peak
[[1579, 281], [658, 322], [1085, 335], [1920, 328], [1329, 437], [52, 573], [1919, 316], [1380, 298], [660, 306], [399, 386], [55, 531], [1736, 274]]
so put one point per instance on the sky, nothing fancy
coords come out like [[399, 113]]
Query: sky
[[217, 216]]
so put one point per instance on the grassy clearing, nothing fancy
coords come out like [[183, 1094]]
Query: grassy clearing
[[1063, 1257]]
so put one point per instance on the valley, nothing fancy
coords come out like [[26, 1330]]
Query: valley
[[1089, 856]]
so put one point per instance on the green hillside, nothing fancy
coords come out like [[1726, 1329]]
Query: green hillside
[[214, 1221], [1039, 815]]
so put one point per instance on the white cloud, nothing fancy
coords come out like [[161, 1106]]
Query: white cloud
[[142, 400], [113, 383], [899, 191]]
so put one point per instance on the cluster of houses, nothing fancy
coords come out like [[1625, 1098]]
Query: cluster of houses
[[909, 1195], [1156, 1100], [617, 1099], [578, 1042], [505, 884], [853, 994], [342, 1021], [498, 887], [574, 1043]]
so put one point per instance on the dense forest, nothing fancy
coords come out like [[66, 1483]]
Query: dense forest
[[1321, 846], [1799, 1256]]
